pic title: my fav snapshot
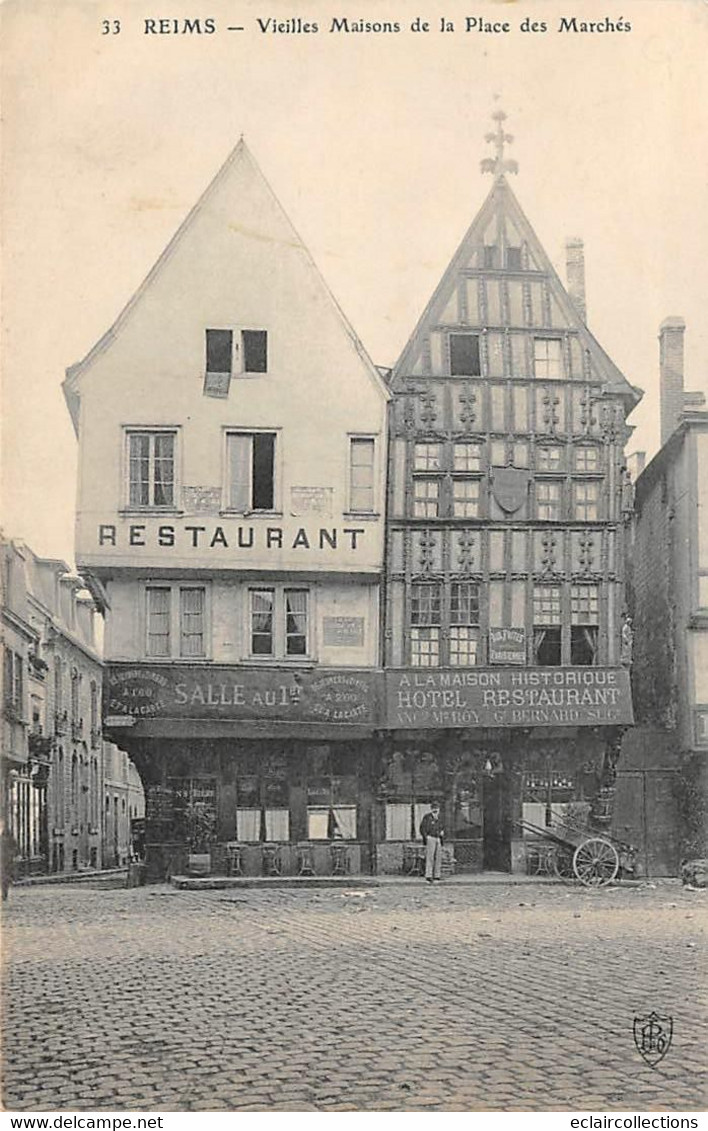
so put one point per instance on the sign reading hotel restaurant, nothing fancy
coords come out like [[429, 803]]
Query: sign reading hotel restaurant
[[138, 691], [479, 697], [507, 646]]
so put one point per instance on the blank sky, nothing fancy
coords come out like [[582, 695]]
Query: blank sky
[[372, 143]]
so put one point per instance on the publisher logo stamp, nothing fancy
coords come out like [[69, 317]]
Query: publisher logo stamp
[[652, 1036]]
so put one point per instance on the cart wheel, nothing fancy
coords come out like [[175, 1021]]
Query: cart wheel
[[595, 862], [563, 863]]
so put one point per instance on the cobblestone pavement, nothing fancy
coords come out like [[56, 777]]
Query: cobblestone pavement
[[393, 999]]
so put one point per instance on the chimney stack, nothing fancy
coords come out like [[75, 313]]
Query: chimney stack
[[575, 274], [671, 374]]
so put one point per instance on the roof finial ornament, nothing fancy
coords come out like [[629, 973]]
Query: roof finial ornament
[[499, 165]]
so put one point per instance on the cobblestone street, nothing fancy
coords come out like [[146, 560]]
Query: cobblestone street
[[476, 997]]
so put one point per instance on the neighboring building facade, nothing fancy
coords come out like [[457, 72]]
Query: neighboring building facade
[[662, 786], [24, 762], [506, 694], [124, 806], [232, 455], [52, 714]]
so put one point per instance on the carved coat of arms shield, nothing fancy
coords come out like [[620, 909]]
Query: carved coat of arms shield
[[652, 1036], [510, 487]]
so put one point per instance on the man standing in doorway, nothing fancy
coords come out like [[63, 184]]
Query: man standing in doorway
[[432, 833]]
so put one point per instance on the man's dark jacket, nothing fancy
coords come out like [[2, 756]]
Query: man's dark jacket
[[431, 826]]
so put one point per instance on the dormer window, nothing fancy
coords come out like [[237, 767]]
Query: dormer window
[[464, 355], [513, 258]]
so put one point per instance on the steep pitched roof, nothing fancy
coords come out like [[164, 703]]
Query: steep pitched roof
[[502, 211], [238, 177]]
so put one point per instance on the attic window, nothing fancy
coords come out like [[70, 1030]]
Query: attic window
[[255, 351], [464, 355], [219, 351], [513, 258], [490, 256]]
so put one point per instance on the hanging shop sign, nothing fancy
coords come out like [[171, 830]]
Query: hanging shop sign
[[481, 697], [507, 646], [182, 692]]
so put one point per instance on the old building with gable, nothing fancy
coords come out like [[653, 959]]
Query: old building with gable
[[507, 691], [230, 521]]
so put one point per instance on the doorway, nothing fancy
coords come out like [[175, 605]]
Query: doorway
[[496, 816]]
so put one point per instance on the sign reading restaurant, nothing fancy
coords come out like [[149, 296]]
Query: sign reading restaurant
[[135, 692], [480, 697]]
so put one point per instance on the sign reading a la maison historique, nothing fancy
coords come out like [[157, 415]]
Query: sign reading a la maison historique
[[478, 697]]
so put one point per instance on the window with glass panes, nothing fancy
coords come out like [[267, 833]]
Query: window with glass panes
[[426, 615], [587, 459], [361, 474], [464, 623], [585, 497], [426, 456], [158, 620], [547, 625], [426, 497], [151, 469], [279, 622], [549, 459], [191, 614], [548, 501], [250, 466], [465, 498], [467, 456], [176, 621], [584, 621], [548, 358]]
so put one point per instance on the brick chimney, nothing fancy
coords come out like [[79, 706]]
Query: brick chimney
[[575, 274], [671, 334]]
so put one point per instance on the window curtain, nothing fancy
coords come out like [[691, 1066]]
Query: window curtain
[[248, 824], [398, 821], [277, 824], [344, 822]]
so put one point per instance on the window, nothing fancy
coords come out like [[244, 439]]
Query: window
[[587, 459], [279, 622], [584, 619], [490, 256], [548, 359], [426, 497], [547, 625], [426, 457], [465, 498], [520, 455], [219, 351], [250, 461], [585, 497], [426, 608], [548, 500], [467, 457], [151, 469], [255, 351], [191, 620], [175, 614], [464, 623], [158, 621], [513, 258], [361, 474], [14, 682], [75, 696], [549, 459], [464, 355], [94, 713]]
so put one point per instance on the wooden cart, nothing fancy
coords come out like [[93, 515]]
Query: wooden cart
[[593, 858]]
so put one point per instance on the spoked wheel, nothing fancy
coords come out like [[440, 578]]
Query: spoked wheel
[[563, 863], [595, 862]]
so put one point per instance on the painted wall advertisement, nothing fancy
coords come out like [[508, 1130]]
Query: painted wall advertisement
[[481, 697], [136, 692]]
